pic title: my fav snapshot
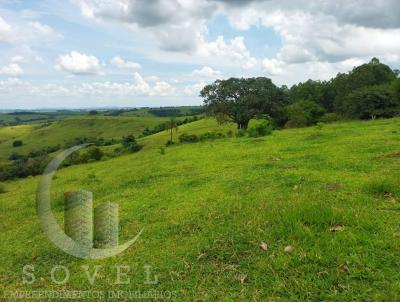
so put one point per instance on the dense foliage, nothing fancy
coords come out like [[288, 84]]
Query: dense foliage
[[240, 100], [369, 91]]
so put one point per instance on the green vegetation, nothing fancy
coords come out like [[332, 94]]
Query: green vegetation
[[331, 193], [368, 91], [32, 117]]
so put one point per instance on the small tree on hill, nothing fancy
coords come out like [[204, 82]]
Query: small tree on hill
[[172, 125]]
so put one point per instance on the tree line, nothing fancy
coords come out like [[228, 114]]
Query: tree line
[[368, 91]]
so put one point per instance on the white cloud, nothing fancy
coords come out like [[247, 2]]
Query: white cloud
[[206, 72], [194, 89], [152, 78], [234, 50], [273, 66], [78, 63], [25, 88], [18, 59], [5, 30], [162, 89], [176, 25], [42, 29], [138, 87], [120, 63], [12, 70]]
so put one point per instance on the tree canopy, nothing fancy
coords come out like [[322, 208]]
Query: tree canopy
[[240, 100], [370, 90]]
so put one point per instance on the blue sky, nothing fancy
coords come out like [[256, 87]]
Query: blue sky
[[91, 53]]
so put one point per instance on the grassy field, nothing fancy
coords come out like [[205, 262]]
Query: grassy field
[[39, 136], [35, 117], [332, 194]]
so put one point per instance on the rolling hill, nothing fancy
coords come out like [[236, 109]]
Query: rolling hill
[[331, 193], [37, 136]]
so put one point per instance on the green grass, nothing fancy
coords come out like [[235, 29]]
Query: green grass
[[206, 207], [40, 136], [35, 117]]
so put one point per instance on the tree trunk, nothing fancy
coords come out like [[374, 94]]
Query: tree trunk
[[243, 124]]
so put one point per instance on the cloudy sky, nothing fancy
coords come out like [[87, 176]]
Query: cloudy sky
[[97, 53]]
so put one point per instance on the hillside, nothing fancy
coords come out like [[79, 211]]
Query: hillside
[[331, 193], [39, 136]]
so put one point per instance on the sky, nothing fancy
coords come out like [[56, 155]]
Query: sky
[[134, 53]]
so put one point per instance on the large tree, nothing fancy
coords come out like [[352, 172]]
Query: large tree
[[240, 100], [319, 92], [370, 74], [372, 102]]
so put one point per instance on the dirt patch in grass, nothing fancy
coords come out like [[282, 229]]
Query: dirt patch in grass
[[332, 186], [393, 155]]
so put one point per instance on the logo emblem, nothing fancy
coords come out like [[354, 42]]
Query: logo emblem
[[88, 234]]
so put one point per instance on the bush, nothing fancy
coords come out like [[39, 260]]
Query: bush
[[29, 167], [303, 113], [330, 117], [162, 150], [16, 156], [2, 189], [94, 153], [241, 133], [73, 159], [188, 138], [17, 143], [262, 128], [229, 133], [134, 147], [319, 125], [129, 143], [296, 121], [211, 135]]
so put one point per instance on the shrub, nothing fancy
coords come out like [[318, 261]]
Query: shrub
[[229, 133], [17, 143], [241, 133], [129, 143], [134, 147], [330, 117], [303, 113], [211, 135], [296, 121], [262, 128], [319, 125], [162, 150], [73, 159], [2, 189], [16, 156], [188, 138], [94, 153], [29, 167]]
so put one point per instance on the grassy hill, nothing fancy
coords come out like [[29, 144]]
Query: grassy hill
[[331, 193], [42, 135]]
